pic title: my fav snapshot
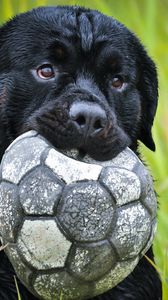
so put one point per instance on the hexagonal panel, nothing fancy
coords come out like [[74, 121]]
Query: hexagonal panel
[[10, 211], [86, 211], [42, 244], [151, 202], [145, 178], [90, 262], [149, 242], [39, 192], [115, 276], [127, 159], [71, 170], [21, 269], [22, 157], [132, 230], [26, 135], [61, 285], [124, 185]]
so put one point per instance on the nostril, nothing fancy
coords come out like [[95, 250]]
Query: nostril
[[89, 118], [98, 124], [80, 120]]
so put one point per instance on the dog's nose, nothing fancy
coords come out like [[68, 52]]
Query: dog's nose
[[89, 117]]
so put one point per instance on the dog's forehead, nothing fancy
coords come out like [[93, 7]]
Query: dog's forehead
[[76, 23], [90, 27], [29, 35]]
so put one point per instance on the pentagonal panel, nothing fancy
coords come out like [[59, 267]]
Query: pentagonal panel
[[9, 211], [22, 157], [61, 285], [132, 230], [42, 244], [115, 276], [124, 185], [86, 211], [39, 192], [71, 170], [92, 261]]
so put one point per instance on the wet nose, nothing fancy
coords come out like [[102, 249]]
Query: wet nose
[[89, 117]]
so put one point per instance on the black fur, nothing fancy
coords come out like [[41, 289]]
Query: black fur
[[87, 51]]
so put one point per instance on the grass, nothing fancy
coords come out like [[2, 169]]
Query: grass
[[148, 19], [17, 288]]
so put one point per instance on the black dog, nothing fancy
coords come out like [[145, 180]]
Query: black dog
[[83, 81]]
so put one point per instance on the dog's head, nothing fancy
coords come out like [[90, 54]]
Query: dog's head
[[79, 78]]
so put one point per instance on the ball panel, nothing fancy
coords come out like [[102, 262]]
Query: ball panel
[[145, 178], [90, 262], [40, 192], [42, 244], [151, 202], [132, 230], [115, 276], [22, 157], [86, 211], [21, 269], [127, 159], [123, 184], [61, 286], [71, 170], [149, 242], [10, 211], [25, 135]]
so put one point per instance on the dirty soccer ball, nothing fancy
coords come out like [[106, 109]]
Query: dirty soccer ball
[[73, 229]]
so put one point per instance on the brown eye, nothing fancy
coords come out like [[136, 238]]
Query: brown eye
[[46, 71], [117, 82]]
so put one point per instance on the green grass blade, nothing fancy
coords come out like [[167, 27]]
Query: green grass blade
[[17, 288]]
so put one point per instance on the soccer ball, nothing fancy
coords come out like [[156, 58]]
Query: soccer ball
[[73, 229]]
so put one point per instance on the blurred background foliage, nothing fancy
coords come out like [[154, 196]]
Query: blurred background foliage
[[149, 20]]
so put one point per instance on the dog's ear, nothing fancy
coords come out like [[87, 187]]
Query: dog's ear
[[148, 88]]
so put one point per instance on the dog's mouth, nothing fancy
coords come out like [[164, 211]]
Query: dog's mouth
[[96, 151], [77, 154], [68, 139], [80, 155]]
